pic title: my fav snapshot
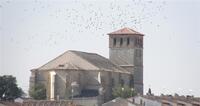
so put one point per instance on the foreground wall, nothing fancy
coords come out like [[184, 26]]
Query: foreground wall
[[95, 101], [85, 79]]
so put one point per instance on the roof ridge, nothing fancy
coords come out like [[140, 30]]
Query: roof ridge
[[83, 52]]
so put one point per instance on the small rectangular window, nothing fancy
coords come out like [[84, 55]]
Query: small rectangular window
[[61, 65]]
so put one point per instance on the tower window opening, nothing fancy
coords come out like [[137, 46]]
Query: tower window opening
[[141, 43], [128, 41], [114, 41], [121, 41]]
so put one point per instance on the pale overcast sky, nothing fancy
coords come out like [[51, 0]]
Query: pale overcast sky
[[32, 32]]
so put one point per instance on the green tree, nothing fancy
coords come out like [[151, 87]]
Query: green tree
[[38, 92], [8, 88], [123, 91]]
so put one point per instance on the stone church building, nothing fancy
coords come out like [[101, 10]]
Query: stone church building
[[76, 74]]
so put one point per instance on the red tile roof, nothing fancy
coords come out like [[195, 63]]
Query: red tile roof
[[125, 31]]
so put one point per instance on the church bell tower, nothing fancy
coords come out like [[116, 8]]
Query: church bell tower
[[126, 50]]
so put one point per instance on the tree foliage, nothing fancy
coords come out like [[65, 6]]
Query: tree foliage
[[8, 88], [123, 91], [38, 92]]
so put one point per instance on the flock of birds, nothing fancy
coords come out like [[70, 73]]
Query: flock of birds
[[90, 16]]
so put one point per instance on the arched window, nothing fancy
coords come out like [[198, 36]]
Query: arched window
[[121, 41], [66, 82], [131, 81], [113, 82], [128, 41], [122, 82], [114, 41], [103, 82]]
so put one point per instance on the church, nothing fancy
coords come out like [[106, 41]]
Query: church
[[76, 74]]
